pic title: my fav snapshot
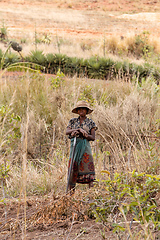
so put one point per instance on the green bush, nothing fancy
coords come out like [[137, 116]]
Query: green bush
[[95, 67], [134, 196]]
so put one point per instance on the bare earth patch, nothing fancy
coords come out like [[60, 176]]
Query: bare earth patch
[[49, 218]]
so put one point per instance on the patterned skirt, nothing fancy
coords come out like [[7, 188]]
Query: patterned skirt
[[83, 171]]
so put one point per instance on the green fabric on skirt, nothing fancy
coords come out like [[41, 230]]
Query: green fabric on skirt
[[83, 170]]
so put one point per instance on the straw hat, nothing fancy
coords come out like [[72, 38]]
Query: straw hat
[[81, 104]]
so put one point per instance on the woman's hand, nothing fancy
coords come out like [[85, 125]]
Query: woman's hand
[[84, 133], [74, 133], [90, 137]]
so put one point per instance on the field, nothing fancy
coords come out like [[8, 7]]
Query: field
[[35, 109], [80, 27]]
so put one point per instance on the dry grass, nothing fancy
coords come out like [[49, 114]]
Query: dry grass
[[122, 110], [130, 47]]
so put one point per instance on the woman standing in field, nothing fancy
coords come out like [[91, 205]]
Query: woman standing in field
[[83, 128]]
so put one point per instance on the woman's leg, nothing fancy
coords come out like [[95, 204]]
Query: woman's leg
[[90, 184]]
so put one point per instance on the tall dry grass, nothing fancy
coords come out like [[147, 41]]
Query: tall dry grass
[[125, 114]]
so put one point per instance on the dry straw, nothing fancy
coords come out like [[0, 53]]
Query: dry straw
[[46, 147]]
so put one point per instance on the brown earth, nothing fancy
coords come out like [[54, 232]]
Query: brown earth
[[49, 218], [78, 19], [54, 218]]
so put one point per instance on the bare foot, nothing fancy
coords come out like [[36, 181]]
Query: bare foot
[[72, 190], [90, 184]]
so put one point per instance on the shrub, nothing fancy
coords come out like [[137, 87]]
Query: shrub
[[134, 196]]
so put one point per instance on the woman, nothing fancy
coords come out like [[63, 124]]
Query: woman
[[84, 129]]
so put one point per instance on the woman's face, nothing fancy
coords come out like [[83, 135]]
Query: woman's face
[[82, 111]]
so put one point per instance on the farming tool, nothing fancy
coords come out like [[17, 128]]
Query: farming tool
[[71, 164]]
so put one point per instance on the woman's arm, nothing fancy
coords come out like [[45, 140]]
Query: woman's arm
[[89, 137], [72, 132]]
